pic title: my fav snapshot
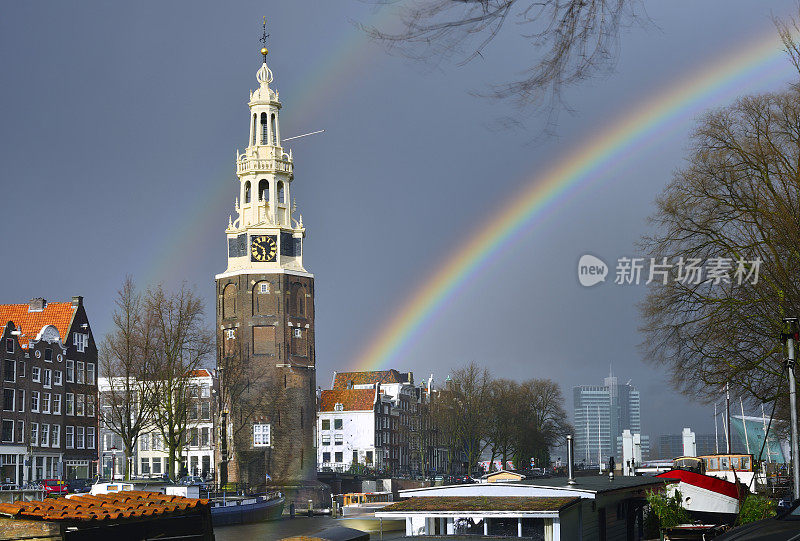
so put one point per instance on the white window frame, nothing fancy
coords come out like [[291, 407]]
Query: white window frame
[[44, 435], [69, 437], [80, 341], [69, 404], [80, 404], [45, 404], [80, 368], [35, 399], [263, 287], [90, 406], [56, 404], [13, 399], [90, 437], [58, 377], [36, 374], [297, 332], [34, 435], [55, 436], [90, 375], [262, 435], [21, 424], [70, 371], [21, 401], [80, 437], [47, 380]]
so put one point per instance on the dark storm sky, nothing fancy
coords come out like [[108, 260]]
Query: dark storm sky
[[120, 123]]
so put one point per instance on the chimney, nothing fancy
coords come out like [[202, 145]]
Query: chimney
[[37, 304], [570, 460], [77, 301]]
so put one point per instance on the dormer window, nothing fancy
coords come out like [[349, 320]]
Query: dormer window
[[9, 345], [338, 407], [48, 355]]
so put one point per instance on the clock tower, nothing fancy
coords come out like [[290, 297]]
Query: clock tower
[[265, 316]]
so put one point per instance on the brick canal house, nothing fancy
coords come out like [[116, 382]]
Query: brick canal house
[[49, 377]]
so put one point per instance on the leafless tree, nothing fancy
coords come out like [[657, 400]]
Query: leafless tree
[[182, 345], [738, 199], [461, 413], [503, 410], [125, 360], [568, 40], [249, 387]]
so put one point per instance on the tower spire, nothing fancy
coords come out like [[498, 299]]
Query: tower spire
[[263, 40]]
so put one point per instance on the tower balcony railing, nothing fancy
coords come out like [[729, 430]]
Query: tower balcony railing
[[248, 165]]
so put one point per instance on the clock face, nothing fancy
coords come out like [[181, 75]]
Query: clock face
[[263, 248]]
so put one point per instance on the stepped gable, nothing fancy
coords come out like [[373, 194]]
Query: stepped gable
[[87, 507], [345, 380]]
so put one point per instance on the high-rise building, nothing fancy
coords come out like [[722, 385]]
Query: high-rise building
[[265, 315], [601, 413]]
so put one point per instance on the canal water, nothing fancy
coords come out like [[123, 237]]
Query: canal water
[[286, 527]]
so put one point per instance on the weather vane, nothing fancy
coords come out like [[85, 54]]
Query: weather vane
[[263, 40]]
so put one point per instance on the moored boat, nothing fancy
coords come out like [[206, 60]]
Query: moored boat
[[704, 496], [246, 509]]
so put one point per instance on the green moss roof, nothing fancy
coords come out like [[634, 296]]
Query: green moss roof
[[479, 503]]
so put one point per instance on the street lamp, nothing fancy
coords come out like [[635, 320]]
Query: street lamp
[[791, 339], [113, 450]]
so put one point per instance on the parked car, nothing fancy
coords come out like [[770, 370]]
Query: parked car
[[55, 487], [463, 480], [193, 481], [785, 526], [79, 486]]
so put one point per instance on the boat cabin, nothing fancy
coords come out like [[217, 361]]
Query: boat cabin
[[361, 498], [733, 467]]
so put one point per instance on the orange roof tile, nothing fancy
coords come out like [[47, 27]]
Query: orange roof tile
[[363, 378], [128, 504], [58, 314], [350, 399], [202, 373]]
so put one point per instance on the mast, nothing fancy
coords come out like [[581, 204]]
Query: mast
[[728, 435], [744, 426], [716, 435]]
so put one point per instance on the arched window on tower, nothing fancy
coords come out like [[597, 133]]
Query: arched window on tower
[[274, 129], [264, 128], [263, 190], [253, 130], [247, 192], [281, 195], [229, 301]]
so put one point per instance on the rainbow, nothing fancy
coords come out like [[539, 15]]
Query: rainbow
[[577, 169]]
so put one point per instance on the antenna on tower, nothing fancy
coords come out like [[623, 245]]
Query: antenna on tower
[[263, 40]]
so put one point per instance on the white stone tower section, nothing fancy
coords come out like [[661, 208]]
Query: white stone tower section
[[264, 208]]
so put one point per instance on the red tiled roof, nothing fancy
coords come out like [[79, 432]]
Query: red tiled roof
[[58, 314], [120, 505], [363, 378], [202, 373], [350, 399]]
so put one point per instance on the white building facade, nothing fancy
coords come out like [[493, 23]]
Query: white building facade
[[150, 458]]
